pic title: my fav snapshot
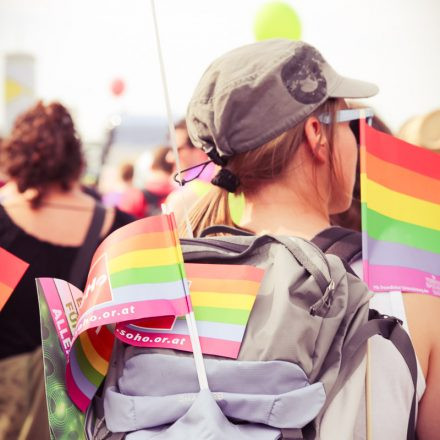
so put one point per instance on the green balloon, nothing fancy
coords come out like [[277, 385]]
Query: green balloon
[[277, 20]]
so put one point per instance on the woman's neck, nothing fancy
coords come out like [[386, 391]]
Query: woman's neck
[[281, 210], [53, 194], [62, 218]]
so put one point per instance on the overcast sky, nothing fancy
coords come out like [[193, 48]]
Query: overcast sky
[[81, 45]]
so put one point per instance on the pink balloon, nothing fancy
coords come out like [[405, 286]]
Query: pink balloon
[[118, 87]]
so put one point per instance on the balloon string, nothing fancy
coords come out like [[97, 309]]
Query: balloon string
[[170, 119]]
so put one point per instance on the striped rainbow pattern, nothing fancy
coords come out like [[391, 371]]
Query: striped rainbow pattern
[[400, 194], [222, 297], [149, 265], [144, 267], [89, 357], [87, 365], [144, 264]]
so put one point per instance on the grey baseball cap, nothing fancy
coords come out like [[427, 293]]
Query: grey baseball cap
[[254, 93]]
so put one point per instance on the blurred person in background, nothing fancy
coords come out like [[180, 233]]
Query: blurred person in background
[[44, 220], [2, 176], [159, 180], [422, 130], [127, 197], [196, 177]]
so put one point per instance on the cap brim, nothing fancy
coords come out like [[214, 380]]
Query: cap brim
[[353, 88]]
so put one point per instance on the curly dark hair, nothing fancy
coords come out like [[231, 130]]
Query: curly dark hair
[[42, 150]]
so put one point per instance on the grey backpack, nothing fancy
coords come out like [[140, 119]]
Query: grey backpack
[[306, 335]]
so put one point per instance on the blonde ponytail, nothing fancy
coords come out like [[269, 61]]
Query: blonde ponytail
[[211, 209]]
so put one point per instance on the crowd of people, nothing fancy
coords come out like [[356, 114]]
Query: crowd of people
[[254, 137]]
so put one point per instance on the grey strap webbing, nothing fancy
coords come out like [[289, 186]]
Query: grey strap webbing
[[305, 261], [81, 264], [345, 243], [391, 329], [223, 229], [292, 434]]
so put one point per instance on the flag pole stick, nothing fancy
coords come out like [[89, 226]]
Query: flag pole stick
[[368, 405], [190, 318], [170, 119], [197, 351], [192, 327]]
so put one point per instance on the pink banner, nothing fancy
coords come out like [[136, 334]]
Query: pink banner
[[212, 346], [387, 278]]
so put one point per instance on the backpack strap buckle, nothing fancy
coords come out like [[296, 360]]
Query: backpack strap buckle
[[325, 302]]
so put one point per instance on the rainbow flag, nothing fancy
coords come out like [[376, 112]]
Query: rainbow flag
[[12, 269], [400, 194], [136, 272], [87, 364], [222, 297]]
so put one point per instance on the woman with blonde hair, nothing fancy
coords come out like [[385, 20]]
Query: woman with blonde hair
[[272, 116]]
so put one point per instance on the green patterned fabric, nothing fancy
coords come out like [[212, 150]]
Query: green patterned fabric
[[66, 421]]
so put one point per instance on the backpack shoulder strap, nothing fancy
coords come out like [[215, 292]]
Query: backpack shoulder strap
[[84, 255], [347, 245], [224, 229], [342, 242], [389, 328]]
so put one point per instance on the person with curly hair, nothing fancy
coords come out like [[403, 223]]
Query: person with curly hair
[[44, 219]]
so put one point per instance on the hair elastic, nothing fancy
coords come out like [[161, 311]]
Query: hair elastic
[[227, 180]]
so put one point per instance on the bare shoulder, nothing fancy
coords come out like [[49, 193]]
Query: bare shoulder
[[423, 313], [427, 304]]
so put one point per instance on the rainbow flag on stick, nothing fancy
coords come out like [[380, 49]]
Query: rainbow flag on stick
[[400, 194], [12, 269], [222, 297], [137, 272]]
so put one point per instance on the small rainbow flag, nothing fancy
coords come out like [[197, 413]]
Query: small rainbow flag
[[12, 269], [400, 192], [136, 272], [222, 297]]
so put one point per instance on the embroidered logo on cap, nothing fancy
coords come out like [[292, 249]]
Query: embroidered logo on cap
[[302, 76]]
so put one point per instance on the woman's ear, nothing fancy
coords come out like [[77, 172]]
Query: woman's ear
[[316, 139]]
